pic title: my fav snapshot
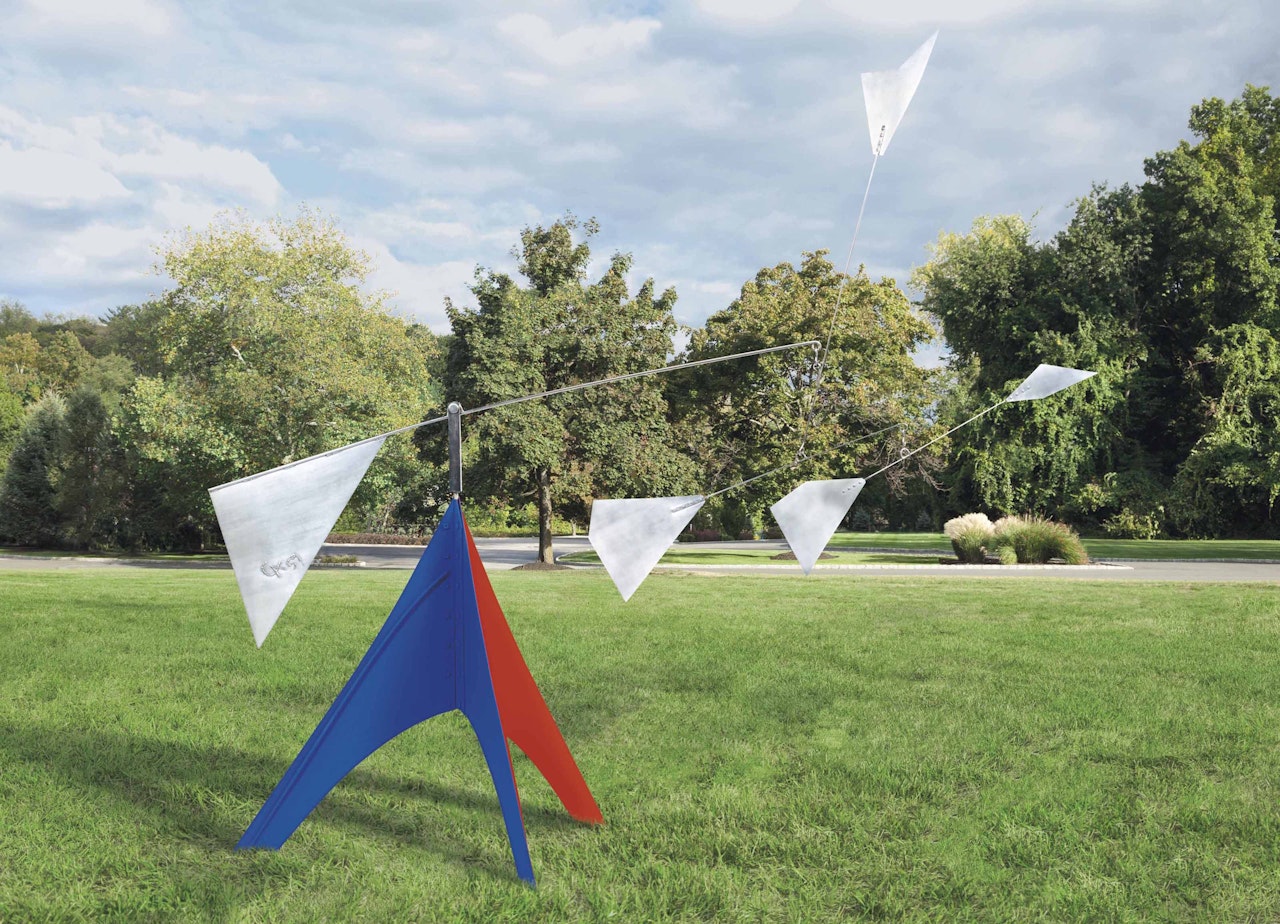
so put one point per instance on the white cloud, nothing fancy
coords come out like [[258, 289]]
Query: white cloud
[[749, 12], [418, 290], [53, 179], [91, 151], [709, 139], [593, 42], [94, 18], [162, 156], [583, 152]]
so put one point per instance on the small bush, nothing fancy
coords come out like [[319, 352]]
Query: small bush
[[377, 539], [969, 536], [1035, 540], [704, 535], [1129, 525]]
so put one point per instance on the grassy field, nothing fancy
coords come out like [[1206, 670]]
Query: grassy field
[[772, 749], [684, 555], [1148, 549]]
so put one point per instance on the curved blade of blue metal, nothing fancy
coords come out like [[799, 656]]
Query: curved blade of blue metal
[[428, 658]]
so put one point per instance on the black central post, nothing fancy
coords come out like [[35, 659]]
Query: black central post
[[455, 449]]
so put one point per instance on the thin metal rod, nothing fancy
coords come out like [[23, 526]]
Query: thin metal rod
[[821, 368], [908, 455], [848, 261], [510, 401], [455, 449], [781, 468], [898, 461], [635, 375]]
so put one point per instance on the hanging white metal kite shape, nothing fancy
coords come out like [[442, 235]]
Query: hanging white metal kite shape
[[630, 534], [275, 522], [1047, 380], [811, 513], [889, 93]]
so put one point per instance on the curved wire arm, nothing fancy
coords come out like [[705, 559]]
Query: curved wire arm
[[784, 467], [542, 394]]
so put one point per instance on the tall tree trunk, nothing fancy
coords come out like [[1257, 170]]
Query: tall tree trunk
[[545, 553]]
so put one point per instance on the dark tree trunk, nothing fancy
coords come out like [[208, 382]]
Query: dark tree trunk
[[545, 553]]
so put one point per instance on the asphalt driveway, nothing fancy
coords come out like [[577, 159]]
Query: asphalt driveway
[[503, 554]]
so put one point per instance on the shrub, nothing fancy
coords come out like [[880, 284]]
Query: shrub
[[1035, 540], [1129, 525], [378, 538], [969, 536]]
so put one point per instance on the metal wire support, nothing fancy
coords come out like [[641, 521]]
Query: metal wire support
[[455, 449], [542, 394]]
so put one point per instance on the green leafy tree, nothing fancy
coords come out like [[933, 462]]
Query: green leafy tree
[[12, 414], [28, 514], [269, 351], [1170, 291], [133, 331], [20, 365], [746, 417], [1007, 305], [90, 493], [15, 318], [557, 331]]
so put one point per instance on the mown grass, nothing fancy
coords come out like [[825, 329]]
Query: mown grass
[[11, 551], [773, 749], [696, 556], [1146, 549]]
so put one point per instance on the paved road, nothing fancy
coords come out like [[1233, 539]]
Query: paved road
[[497, 554], [502, 554]]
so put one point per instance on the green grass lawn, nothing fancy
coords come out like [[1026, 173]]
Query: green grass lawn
[[1153, 549], [773, 749], [696, 556], [27, 551]]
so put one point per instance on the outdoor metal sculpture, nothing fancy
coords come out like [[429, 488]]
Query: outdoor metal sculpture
[[445, 645]]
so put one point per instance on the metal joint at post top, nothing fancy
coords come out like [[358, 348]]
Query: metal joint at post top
[[455, 449]]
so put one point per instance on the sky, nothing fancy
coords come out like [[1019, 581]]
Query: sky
[[709, 138]]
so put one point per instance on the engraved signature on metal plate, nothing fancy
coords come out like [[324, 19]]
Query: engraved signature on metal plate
[[292, 563]]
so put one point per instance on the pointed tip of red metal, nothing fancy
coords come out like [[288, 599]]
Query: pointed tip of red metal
[[526, 720]]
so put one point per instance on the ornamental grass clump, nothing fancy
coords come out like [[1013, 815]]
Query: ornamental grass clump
[[969, 536], [1035, 541]]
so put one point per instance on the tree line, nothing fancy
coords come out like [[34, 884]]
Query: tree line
[[269, 347], [1169, 290]]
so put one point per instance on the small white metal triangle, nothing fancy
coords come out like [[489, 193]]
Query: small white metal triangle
[[810, 515], [889, 93], [1047, 380], [275, 522], [630, 534]]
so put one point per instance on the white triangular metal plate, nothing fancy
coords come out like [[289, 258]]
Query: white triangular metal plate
[[275, 522], [631, 533], [888, 93], [810, 515], [1047, 380]]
